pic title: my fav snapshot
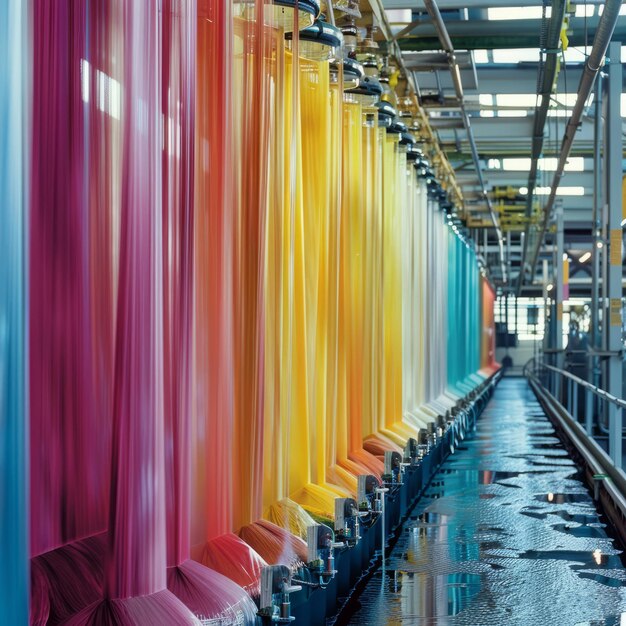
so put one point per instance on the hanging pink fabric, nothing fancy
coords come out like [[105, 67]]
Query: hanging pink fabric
[[135, 575], [71, 305], [207, 593], [69, 429]]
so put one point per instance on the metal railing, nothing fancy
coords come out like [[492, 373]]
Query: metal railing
[[592, 407], [557, 390]]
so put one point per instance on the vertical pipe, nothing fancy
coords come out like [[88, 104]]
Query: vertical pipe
[[613, 174]]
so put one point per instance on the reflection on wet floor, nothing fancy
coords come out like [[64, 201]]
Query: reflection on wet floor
[[506, 534]]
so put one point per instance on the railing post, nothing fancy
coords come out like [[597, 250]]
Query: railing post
[[615, 434], [589, 412], [568, 397], [575, 400]]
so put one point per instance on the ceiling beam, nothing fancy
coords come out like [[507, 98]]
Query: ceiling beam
[[497, 78], [500, 34], [515, 130], [452, 5]]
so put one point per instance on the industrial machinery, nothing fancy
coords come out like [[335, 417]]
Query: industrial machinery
[[411, 455], [394, 469], [423, 443], [347, 528], [321, 553], [366, 493], [275, 590]]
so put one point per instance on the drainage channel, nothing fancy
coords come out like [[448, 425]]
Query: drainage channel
[[507, 533]]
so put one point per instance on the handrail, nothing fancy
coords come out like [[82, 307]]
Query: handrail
[[608, 481], [601, 393]]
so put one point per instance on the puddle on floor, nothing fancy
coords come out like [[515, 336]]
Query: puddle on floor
[[488, 546], [613, 620], [588, 558], [561, 498], [583, 530]]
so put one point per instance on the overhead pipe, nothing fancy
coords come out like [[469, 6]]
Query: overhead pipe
[[545, 83], [446, 43], [592, 67]]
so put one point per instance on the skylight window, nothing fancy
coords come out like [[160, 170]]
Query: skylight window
[[399, 16], [398, 19], [516, 100], [559, 112], [548, 164], [565, 99], [561, 191], [575, 55], [516, 55], [512, 113], [481, 56], [622, 11], [517, 13], [560, 104], [583, 10]]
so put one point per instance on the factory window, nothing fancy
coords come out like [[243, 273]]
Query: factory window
[[529, 323], [517, 13], [548, 164]]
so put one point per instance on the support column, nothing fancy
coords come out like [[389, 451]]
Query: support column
[[613, 186], [558, 286], [596, 252], [544, 293]]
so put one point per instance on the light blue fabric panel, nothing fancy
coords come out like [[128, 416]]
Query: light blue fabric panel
[[13, 410]]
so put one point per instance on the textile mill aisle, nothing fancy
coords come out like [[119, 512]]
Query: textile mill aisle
[[506, 534]]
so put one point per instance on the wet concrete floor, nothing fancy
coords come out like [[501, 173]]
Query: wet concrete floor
[[506, 534]]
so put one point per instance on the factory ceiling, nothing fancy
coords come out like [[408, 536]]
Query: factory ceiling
[[500, 50]]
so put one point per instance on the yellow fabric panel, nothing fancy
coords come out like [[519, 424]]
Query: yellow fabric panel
[[393, 169], [276, 281], [372, 344], [300, 301]]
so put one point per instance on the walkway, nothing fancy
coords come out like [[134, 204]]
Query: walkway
[[506, 535]]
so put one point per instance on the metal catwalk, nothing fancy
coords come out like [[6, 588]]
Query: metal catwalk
[[506, 534]]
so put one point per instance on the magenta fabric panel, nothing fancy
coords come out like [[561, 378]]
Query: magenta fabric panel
[[70, 427], [178, 81]]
